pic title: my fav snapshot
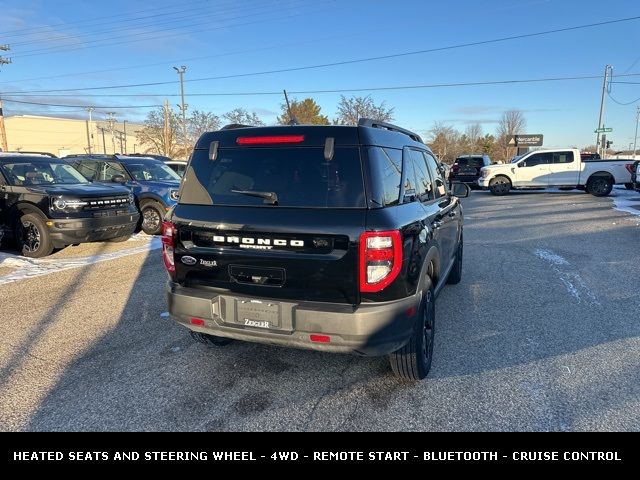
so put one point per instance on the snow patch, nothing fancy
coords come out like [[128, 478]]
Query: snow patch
[[550, 257], [625, 200]]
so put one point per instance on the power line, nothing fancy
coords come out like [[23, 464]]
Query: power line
[[12, 33], [342, 90], [623, 103], [344, 62], [142, 37], [81, 107]]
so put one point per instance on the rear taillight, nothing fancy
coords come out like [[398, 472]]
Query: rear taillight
[[629, 167], [380, 259], [168, 246]]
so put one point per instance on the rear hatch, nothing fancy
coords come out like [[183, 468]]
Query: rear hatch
[[273, 212], [467, 166]]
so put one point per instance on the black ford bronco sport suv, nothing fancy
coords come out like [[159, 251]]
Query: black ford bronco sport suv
[[332, 238], [45, 203]]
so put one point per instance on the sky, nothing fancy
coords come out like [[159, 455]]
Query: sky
[[71, 44]]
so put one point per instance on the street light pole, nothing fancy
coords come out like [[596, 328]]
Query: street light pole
[[90, 130], [183, 106], [124, 125]]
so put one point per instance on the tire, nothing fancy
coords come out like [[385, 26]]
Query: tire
[[34, 240], [600, 186], [455, 275], [210, 340], [413, 361], [123, 238], [629, 186], [152, 215], [500, 185]]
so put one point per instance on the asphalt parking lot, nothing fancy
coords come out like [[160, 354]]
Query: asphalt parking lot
[[543, 333]]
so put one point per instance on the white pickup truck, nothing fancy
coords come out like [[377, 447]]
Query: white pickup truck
[[557, 168]]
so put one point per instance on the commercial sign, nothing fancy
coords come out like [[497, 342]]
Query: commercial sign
[[525, 140]]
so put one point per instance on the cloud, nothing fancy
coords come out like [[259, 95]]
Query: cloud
[[265, 112], [471, 121]]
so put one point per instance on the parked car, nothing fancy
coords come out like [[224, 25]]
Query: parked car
[[466, 168], [46, 154], [561, 168], [275, 239], [177, 166], [635, 176], [154, 184], [46, 204], [162, 158]]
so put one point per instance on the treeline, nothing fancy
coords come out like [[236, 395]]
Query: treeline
[[164, 133]]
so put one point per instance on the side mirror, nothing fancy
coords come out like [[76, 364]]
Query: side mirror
[[460, 190], [118, 179], [522, 164]]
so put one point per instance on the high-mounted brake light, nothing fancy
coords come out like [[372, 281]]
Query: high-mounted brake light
[[168, 244], [380, 259], [270, 140]]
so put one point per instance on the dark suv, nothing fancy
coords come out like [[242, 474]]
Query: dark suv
[[333, 238], [154, 185], [466, 168], [45, 203]]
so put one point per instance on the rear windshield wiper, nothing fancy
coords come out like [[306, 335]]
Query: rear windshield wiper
[[270, 198]]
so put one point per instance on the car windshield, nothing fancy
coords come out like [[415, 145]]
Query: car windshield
[[26, 173], [151, 170]]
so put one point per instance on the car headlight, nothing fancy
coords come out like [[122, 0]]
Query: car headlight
[[66, 205], [173, 195]]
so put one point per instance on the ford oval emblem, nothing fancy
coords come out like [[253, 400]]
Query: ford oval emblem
[[187, 260]]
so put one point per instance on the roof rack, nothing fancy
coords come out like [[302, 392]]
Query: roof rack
[[368, 122], [233, 126]]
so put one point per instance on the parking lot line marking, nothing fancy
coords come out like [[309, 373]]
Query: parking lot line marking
[[29, 267]]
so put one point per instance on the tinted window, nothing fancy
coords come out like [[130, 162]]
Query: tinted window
[[385, 165], [151, 170], [424, 185], [469, 162], [410, 190], [299, 177], [86, 168], [563, 157], [41, 173], [440, 186], [106, 171], [537, 159]]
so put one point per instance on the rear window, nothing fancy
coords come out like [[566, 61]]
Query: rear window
[[286, 177], [469, 162]]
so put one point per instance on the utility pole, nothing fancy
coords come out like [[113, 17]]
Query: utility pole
[[124, 127], [165, 130], [608, 70], [104, 144], [635, 137], [112, 120], [3, 133], [89, 130], [183, 106]]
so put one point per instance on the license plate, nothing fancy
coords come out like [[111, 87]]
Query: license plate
[[257, 314]]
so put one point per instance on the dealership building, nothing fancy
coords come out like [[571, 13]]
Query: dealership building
[[65, 136]]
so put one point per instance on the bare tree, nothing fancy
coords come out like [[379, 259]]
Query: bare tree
[[444, 141], [241, 116], [350, 110], [512, 122], [200, 122], [473, 133]]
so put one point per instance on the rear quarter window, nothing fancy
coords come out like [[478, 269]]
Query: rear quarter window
[[385, 165]]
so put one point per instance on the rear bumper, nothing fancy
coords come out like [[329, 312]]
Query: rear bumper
[[473, 179], [82, 230], [368, 329]]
